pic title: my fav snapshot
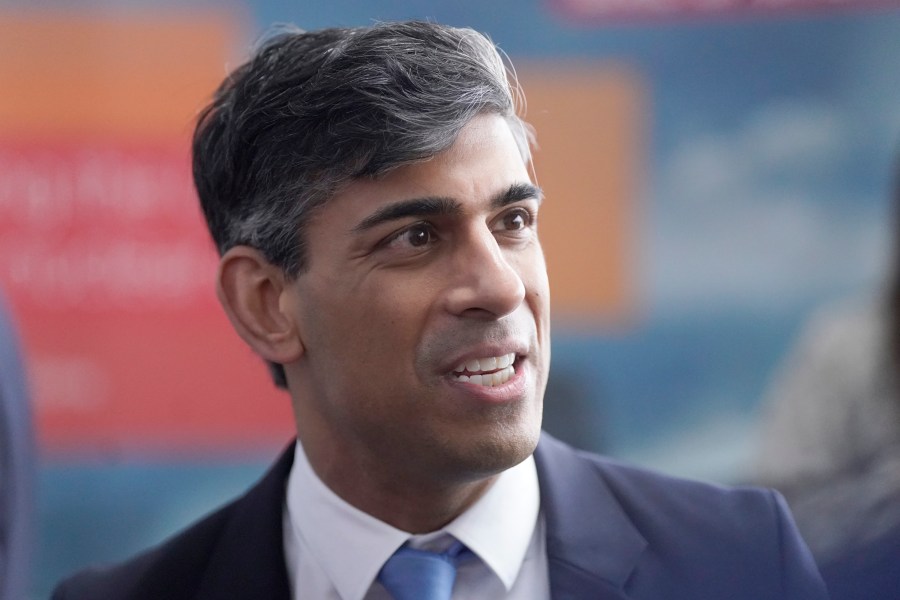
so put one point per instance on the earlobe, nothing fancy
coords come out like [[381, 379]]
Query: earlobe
[[250, 290]]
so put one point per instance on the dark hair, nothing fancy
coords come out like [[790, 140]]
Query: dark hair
[[311, 111]]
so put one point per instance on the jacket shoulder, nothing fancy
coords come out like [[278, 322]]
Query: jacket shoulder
[[648, 495], [688, 503], [703, 539]]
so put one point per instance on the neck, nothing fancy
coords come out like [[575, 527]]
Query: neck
[[414, 504]]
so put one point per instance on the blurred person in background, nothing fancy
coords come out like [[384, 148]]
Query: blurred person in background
[[831, 438], [370, 195], [17, 466]]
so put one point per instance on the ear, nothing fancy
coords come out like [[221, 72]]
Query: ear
[[250, 289]]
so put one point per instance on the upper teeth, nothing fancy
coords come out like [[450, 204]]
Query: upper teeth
[[491, 363], [490, 371]]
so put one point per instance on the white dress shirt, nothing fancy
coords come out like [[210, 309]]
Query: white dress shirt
[[334, 551]]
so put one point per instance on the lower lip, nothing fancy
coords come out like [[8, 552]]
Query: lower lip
[[508, 391]]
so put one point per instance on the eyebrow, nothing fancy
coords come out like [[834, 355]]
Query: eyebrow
[[437, 205], [418, 207], [517, 192]]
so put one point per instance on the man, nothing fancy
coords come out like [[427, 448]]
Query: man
[[369, 192]]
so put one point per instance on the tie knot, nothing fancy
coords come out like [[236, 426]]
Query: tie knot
[[411, 574]]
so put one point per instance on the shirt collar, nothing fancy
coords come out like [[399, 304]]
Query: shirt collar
[[499, 526], [351, 546]]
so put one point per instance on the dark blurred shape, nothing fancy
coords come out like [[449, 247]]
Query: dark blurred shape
[[831, 439], [831, 435], [868, 573], [17, 468]]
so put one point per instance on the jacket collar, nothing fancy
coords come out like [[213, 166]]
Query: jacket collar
[[248, 562], [592, 544]]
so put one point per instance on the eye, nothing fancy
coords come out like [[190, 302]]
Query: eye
[[516, 219], [417, 235]]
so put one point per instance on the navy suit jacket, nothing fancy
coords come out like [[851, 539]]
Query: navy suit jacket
[[613, 533]]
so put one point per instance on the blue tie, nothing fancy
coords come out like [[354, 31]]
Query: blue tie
[[411, 574]]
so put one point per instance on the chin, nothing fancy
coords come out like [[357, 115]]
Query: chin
[[496, 451]]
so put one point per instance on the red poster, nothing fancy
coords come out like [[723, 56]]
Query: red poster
[[103, 250]]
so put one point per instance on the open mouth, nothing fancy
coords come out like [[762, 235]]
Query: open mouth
[[489, 371]]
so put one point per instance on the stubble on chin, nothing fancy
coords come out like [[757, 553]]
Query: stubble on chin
[[502, 441]]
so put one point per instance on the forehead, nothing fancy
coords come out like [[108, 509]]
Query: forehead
[[484, 160]]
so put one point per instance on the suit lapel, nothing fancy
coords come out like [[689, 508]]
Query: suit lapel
[[592, 545], [248, 561]]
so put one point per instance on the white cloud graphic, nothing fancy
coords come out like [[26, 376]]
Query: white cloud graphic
[[757, 218]]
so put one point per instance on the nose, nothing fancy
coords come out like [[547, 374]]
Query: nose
[[485, 281]]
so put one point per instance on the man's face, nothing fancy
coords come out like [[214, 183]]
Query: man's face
[[424, 316]]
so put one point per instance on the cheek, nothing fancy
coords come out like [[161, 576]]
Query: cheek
[[386, 334], [389, 313], [533, 272]]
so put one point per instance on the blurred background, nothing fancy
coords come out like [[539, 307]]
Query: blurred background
[[714, 172]]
